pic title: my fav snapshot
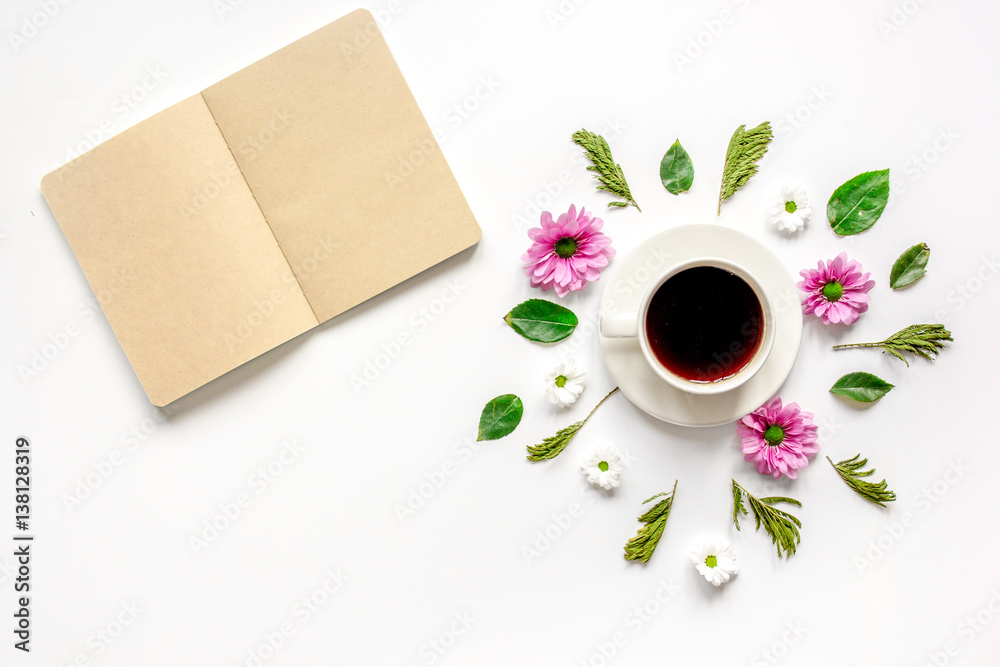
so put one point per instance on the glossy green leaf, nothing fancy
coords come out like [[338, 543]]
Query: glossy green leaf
[[858, 203], [676, 169], [500, 417], [860, 386], [542, 321], [910, 267]]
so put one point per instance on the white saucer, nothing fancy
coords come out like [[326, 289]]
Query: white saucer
[[623, 294]]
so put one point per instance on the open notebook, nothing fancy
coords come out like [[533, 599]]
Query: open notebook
[[274, 200]]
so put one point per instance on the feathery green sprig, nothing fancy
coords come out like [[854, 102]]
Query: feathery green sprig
[[607, 171], [553, 446], [780, 525], [746, 148], [922, 340], [642, 546], [850, 471]]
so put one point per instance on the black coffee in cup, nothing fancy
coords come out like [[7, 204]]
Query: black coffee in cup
[[704, 324]]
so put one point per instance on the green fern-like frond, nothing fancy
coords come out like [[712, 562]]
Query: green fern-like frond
[[780, 525], [738, 507], [609, 173], [850, 471], [642, 546], [922, 340], [746, 148], [553, 445]]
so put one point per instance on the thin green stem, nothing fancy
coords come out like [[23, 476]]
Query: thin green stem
[[599, 403]]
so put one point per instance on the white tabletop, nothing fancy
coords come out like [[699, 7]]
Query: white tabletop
[[359, 524]]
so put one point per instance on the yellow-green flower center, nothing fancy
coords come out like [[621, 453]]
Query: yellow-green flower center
[[774, 435], [711, 561], [832, 291], [566, 247], [603, 465], [790, 207], [561, 380]]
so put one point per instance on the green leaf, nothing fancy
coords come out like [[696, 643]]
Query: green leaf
[[850, 471], [541, 320], [500, 417], [676, 169], [746, 148], [910, 267], [858, 203], [860, 386], [642, 546]]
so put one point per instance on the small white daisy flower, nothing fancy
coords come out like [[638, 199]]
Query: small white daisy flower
[[714, 560], [565, 383], [604, 468], [790, 210]]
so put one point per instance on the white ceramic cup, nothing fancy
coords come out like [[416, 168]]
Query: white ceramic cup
[[633, 325]]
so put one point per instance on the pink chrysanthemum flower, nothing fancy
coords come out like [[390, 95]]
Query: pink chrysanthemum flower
[[568, 252], [836, 290], [778, 439]]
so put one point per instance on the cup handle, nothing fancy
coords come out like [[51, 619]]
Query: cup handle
[[620, 325]]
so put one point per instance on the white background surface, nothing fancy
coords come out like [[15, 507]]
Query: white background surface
[[878, 99]]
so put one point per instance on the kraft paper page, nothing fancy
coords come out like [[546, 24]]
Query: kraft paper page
[[248, 214], [185, 313], [349, 153]]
